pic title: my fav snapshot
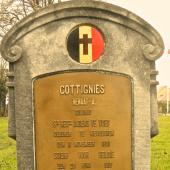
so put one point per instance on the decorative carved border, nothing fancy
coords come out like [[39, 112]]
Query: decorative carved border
[[152, 52], [13, 54]]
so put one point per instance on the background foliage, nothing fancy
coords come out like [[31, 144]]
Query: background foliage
[[161, 146], [3, 89], [11, 12], [7, 148]]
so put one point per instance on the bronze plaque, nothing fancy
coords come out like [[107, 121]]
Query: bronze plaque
[[83, 121]]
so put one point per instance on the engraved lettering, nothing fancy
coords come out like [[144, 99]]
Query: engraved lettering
[[61, 145], [108, 165], [97, 89], [80, 101], [62, 90], [83, 155], [82, 144], [105, 155], [81, 123], [83, 101], [60, 167], [63, 124], [66, 89], [82, 112], [72, 89], [62, 134], [77, 128], [93, 123], [59, 155], [86, 89], [106, 144], [104, 123], [85, 165], [102, 89], [101, 133]]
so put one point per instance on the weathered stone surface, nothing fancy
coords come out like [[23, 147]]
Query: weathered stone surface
[[37, 46]]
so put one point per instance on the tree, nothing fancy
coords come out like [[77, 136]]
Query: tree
[[3, 89], [11, 12], [162, 107]]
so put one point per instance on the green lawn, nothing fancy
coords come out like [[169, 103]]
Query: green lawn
[[7, 148], [160, 147]]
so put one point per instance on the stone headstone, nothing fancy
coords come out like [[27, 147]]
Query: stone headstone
[[82, 87]]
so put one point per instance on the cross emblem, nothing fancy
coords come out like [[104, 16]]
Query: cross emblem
[[85, 41]]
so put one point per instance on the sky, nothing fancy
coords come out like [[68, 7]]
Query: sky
[[156, 13]]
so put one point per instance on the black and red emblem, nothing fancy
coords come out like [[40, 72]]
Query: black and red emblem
[[85, 44]]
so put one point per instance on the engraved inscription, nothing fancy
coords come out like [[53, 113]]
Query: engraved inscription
[[81, 89], [82, 121]]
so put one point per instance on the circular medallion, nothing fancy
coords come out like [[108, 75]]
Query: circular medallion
[[85, 44]]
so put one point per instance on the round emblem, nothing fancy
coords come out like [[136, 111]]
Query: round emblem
[[85, 44]]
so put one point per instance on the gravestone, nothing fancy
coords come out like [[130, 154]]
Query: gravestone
[[82, 87]]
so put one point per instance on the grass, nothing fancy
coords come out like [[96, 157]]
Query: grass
[[160, 147], [7, 148]]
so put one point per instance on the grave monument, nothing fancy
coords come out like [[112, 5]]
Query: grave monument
[[82, 87]]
